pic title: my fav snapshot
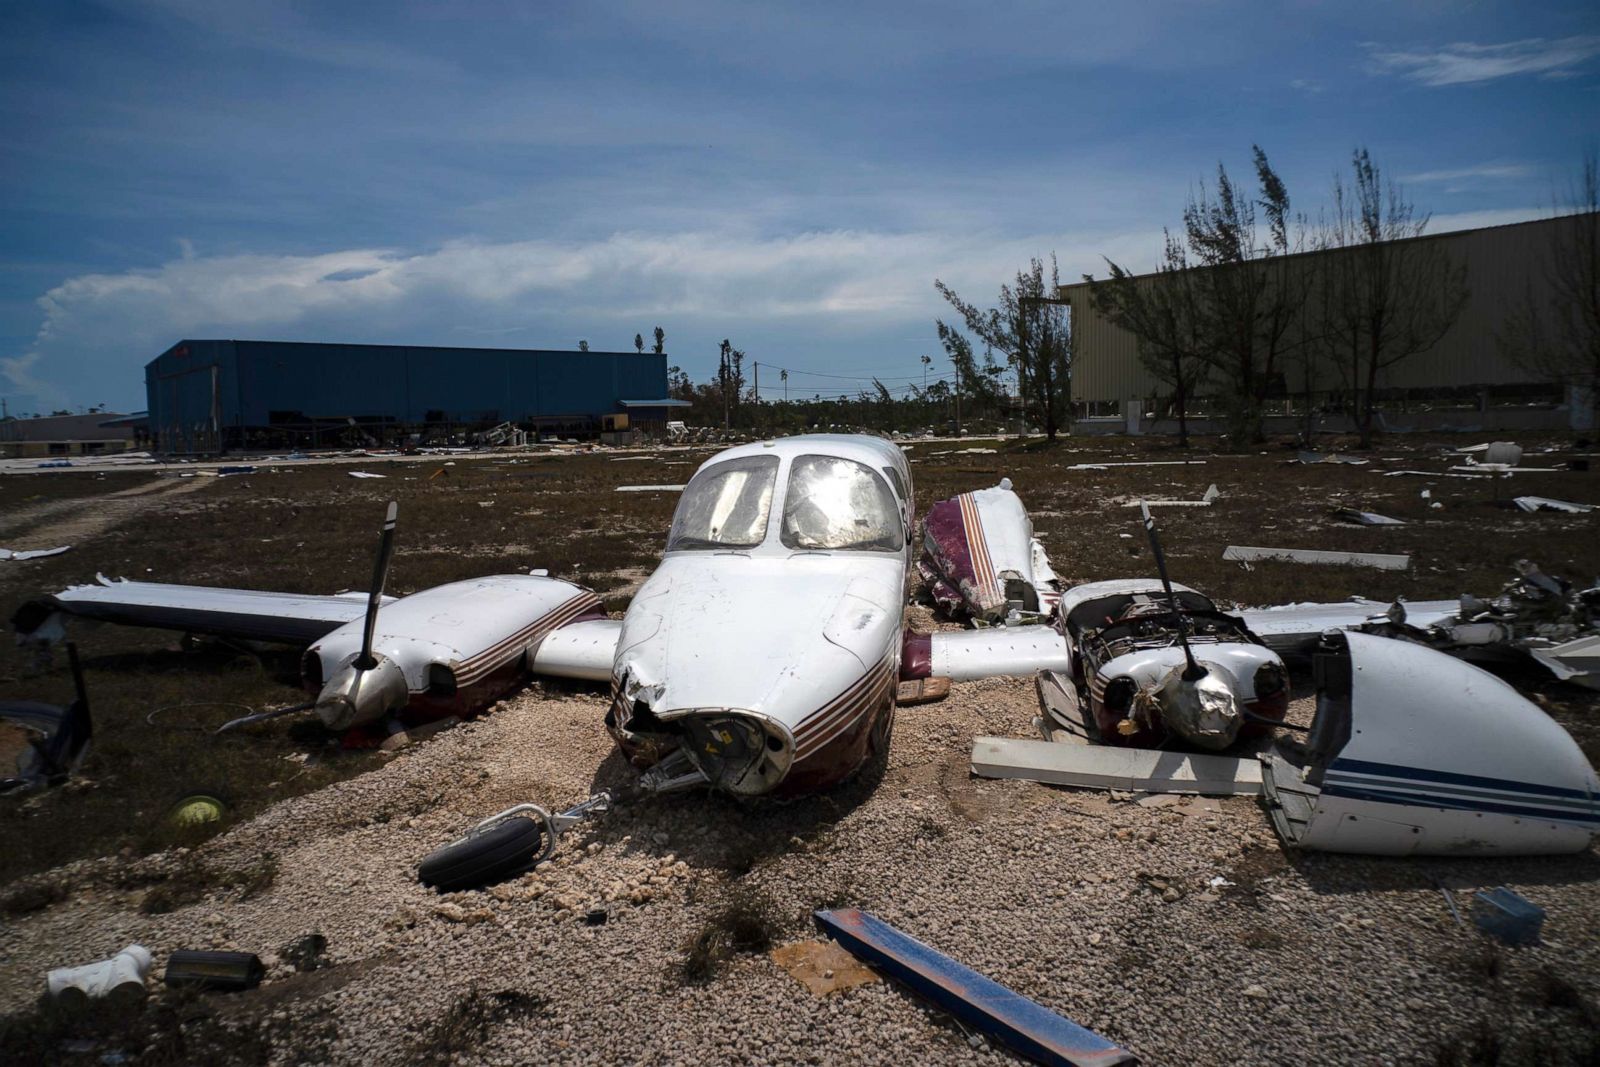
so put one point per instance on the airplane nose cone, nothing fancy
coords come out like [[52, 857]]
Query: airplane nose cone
[[354, 697]]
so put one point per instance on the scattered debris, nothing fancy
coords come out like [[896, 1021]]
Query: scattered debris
[[231, 471], [650, 488], [119, 979], [1505, 914], [502, 845], [366, 474], [1544, 503], [1140, 770], [1141, 463], [1365, 518], [973, 999], [1498, 453], [1433, 474], [823, 967], [1381, 560], [922, 691], [1204, 502], [220, 972], [1329, 457], [8, 555]]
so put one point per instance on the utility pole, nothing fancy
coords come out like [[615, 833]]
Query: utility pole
[[958, 400], [758, 399]]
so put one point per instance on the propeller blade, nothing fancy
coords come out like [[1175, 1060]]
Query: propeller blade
[[380, 572], [263, 716], [1193, 671]]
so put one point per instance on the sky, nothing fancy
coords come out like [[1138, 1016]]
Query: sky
[[790, 176]]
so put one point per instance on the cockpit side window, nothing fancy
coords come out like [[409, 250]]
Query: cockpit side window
[[894, 480], [725, 506], [838, 504]]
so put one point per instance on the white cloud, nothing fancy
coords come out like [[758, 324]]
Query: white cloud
[[1464, 63], [1491, 171], [854, 286]]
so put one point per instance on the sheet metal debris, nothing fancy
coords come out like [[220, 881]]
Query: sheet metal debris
[[649, 488], [366, 474], [1381, 560], [8, 555], [1365, 518], [1544, 503], [1141, 463], [1210, 495], [1139, 770], [1021, 1024], [1329, 457]]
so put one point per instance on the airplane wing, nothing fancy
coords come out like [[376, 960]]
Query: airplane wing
[[1296, 627], [979, 556], [245, 614]]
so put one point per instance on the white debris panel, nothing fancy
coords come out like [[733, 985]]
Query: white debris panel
[[1252, 554], [964, 655], [1140, 770], [8, 555]]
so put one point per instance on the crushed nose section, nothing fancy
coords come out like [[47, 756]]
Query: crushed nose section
[[1413, 752], [736, 751]]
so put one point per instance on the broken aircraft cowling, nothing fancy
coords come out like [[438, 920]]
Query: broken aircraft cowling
[[1413, 752], [980, 558], [710, 661]]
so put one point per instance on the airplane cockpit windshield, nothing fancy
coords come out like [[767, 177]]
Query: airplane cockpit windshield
[[726, 506], [839, 505]]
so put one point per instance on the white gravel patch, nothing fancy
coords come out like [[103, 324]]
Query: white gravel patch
[[1098, 908]]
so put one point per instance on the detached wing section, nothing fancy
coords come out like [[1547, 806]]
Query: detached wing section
[[980, 558], [244, 614]]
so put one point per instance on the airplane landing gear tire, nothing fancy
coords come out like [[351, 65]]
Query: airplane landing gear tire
[[508, 848]]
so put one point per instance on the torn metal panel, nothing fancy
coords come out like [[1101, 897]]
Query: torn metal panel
[[1140, 770], [980, 558], [1413, 752], [1381, 560], [1140, 463], [1211, 494], [1365, 518], [649, 488], [1576, 661], [1021, 1024], [1544, 503], [1329, 457]]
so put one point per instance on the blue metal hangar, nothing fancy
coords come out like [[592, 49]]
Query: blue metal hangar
[[213, 396]]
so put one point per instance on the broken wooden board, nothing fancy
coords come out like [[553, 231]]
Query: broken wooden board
[[823, 967], [922, 691], [1138, 770], [1251, 554]]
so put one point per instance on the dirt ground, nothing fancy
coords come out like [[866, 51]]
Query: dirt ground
[[1063, 895]]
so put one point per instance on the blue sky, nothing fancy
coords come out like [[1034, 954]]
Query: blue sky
[[790, 176]]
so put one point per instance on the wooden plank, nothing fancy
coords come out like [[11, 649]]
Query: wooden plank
[[1006, 1015], [1140, 770]]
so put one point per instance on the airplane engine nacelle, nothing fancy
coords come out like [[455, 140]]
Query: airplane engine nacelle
[[441, 643]]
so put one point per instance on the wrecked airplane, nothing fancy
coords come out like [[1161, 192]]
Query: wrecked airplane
[[710, 685]]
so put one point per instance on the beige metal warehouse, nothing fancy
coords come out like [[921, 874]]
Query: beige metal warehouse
[[1466, 379]]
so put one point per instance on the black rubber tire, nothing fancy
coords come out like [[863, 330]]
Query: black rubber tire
[[506, 849]]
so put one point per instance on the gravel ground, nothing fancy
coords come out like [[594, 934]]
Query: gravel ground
[[1097, 906]]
